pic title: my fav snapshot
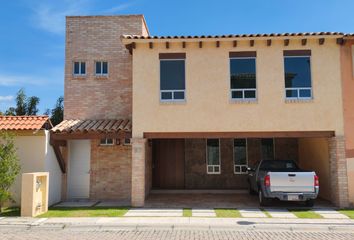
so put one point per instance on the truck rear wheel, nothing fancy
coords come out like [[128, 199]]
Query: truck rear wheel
[[263, 201], [310, 203]]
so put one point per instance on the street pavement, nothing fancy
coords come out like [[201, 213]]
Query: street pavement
[[174, 228]]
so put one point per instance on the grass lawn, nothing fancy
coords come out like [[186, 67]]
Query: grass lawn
[[348, 212], [10, 212], [187, 212], [85, 212], [266, 213], [227, 213], [304, 213]]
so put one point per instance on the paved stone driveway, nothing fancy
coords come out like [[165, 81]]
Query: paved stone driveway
[[181, 234], [328, 213]]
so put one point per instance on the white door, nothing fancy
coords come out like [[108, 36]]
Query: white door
[[79, 169]]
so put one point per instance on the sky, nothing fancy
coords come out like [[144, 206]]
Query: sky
[[32, 32]]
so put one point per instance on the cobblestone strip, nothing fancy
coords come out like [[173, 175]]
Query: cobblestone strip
[[157, 234]]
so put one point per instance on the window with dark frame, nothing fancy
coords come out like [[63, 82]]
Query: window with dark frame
[[243, 75], [172, 77], [213, 156], [240, 156], [101, 68], [79, 68], [297, 69]]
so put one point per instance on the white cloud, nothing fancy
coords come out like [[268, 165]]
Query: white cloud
[[119, 7], [6, 98], [53, 76], [50, 16]]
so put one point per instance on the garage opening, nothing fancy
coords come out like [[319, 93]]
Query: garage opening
[[220, 164]]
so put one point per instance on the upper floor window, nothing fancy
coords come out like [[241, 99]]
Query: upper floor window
[[213, 156], [240, 156], [297, 68], [101, 68], [79, 68], [106, 142], [172, 76], [243, 75]]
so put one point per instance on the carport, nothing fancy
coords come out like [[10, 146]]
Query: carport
[[178, 161]]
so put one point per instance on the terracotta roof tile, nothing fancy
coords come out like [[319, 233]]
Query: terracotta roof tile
[[103, 125], [24, 122], [241, 35]]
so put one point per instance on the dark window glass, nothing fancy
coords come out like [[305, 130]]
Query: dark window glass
[[104, 68], [305, 93], [213, 152], [240, 152], [76, 67], [83, 68], [172, 75], [291, 93], [98, 68], [243, 73], [268, 148], [279, 165], [178, 95], [250, 94], [166, 95], [236, 94], [297, 72]]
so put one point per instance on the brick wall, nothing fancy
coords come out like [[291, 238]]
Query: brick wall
[[95, 38], [110, 172], [338, 172], [195, 162]]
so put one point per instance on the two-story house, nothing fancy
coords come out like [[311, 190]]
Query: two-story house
[[194, 112]]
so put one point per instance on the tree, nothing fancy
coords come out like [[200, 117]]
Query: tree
[[24, 105], [57, 112], [9, 167]]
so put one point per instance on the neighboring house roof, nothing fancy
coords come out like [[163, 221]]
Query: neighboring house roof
[[24, 123], [302, 34], [104, 126]]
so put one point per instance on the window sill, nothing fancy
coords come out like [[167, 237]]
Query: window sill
[[101, 77], [299, 100], [79, 76], [173, 102], [243, 101]]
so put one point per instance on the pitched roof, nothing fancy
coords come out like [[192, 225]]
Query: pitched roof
[[24, 122], [103, 125], [304, 34]]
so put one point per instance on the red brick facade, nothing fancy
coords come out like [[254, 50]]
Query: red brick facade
[[110, 172], [91, 39]]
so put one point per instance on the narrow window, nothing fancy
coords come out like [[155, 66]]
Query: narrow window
[[267, 148], [243, 76], [101, 68], [213, 156], [240, 156], [172, 76], [79, 68], [106, 142], [297, 68]]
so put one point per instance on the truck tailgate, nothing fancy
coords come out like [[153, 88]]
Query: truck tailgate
[[292, 181]]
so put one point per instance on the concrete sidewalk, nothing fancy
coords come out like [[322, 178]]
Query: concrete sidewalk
[[180, 222]]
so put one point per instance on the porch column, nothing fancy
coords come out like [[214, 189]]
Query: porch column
[[338, 172], [138, 172]]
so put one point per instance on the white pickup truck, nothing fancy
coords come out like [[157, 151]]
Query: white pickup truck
[[284, 180]]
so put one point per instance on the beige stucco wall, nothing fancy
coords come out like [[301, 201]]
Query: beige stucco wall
[[208, 106], [314, 155], [36, 155]]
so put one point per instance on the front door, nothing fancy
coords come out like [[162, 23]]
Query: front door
[[79, 169], [168, 163]]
